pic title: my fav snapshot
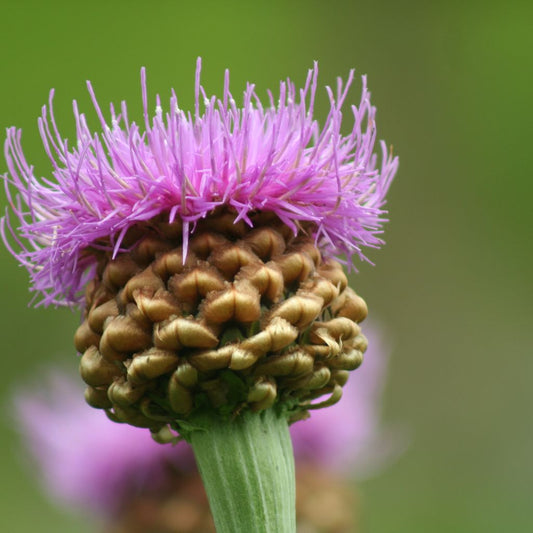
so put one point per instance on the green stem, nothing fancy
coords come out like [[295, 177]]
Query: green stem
[[247, 466]]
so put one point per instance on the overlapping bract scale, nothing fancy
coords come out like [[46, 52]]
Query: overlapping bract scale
[[246, 320]]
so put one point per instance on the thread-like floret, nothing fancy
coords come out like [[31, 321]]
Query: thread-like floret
[[182, 166]]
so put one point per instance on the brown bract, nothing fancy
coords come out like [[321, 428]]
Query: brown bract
[[248, 318]]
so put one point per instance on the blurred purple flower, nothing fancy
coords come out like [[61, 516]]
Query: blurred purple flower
[[274, 158], [84, 458], [89, 462]]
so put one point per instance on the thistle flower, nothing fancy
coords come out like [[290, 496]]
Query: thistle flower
[[119, 473], [183, 166], [203, 253]]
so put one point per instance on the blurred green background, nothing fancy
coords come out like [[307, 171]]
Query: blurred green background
[[452, 82]]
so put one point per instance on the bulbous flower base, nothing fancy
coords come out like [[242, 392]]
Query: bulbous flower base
[[242, 319]]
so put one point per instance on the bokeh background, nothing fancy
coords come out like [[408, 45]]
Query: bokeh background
[[452, 82]]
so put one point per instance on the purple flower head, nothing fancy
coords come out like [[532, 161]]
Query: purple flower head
[[84, 459], [94, 464], [184, 165]]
